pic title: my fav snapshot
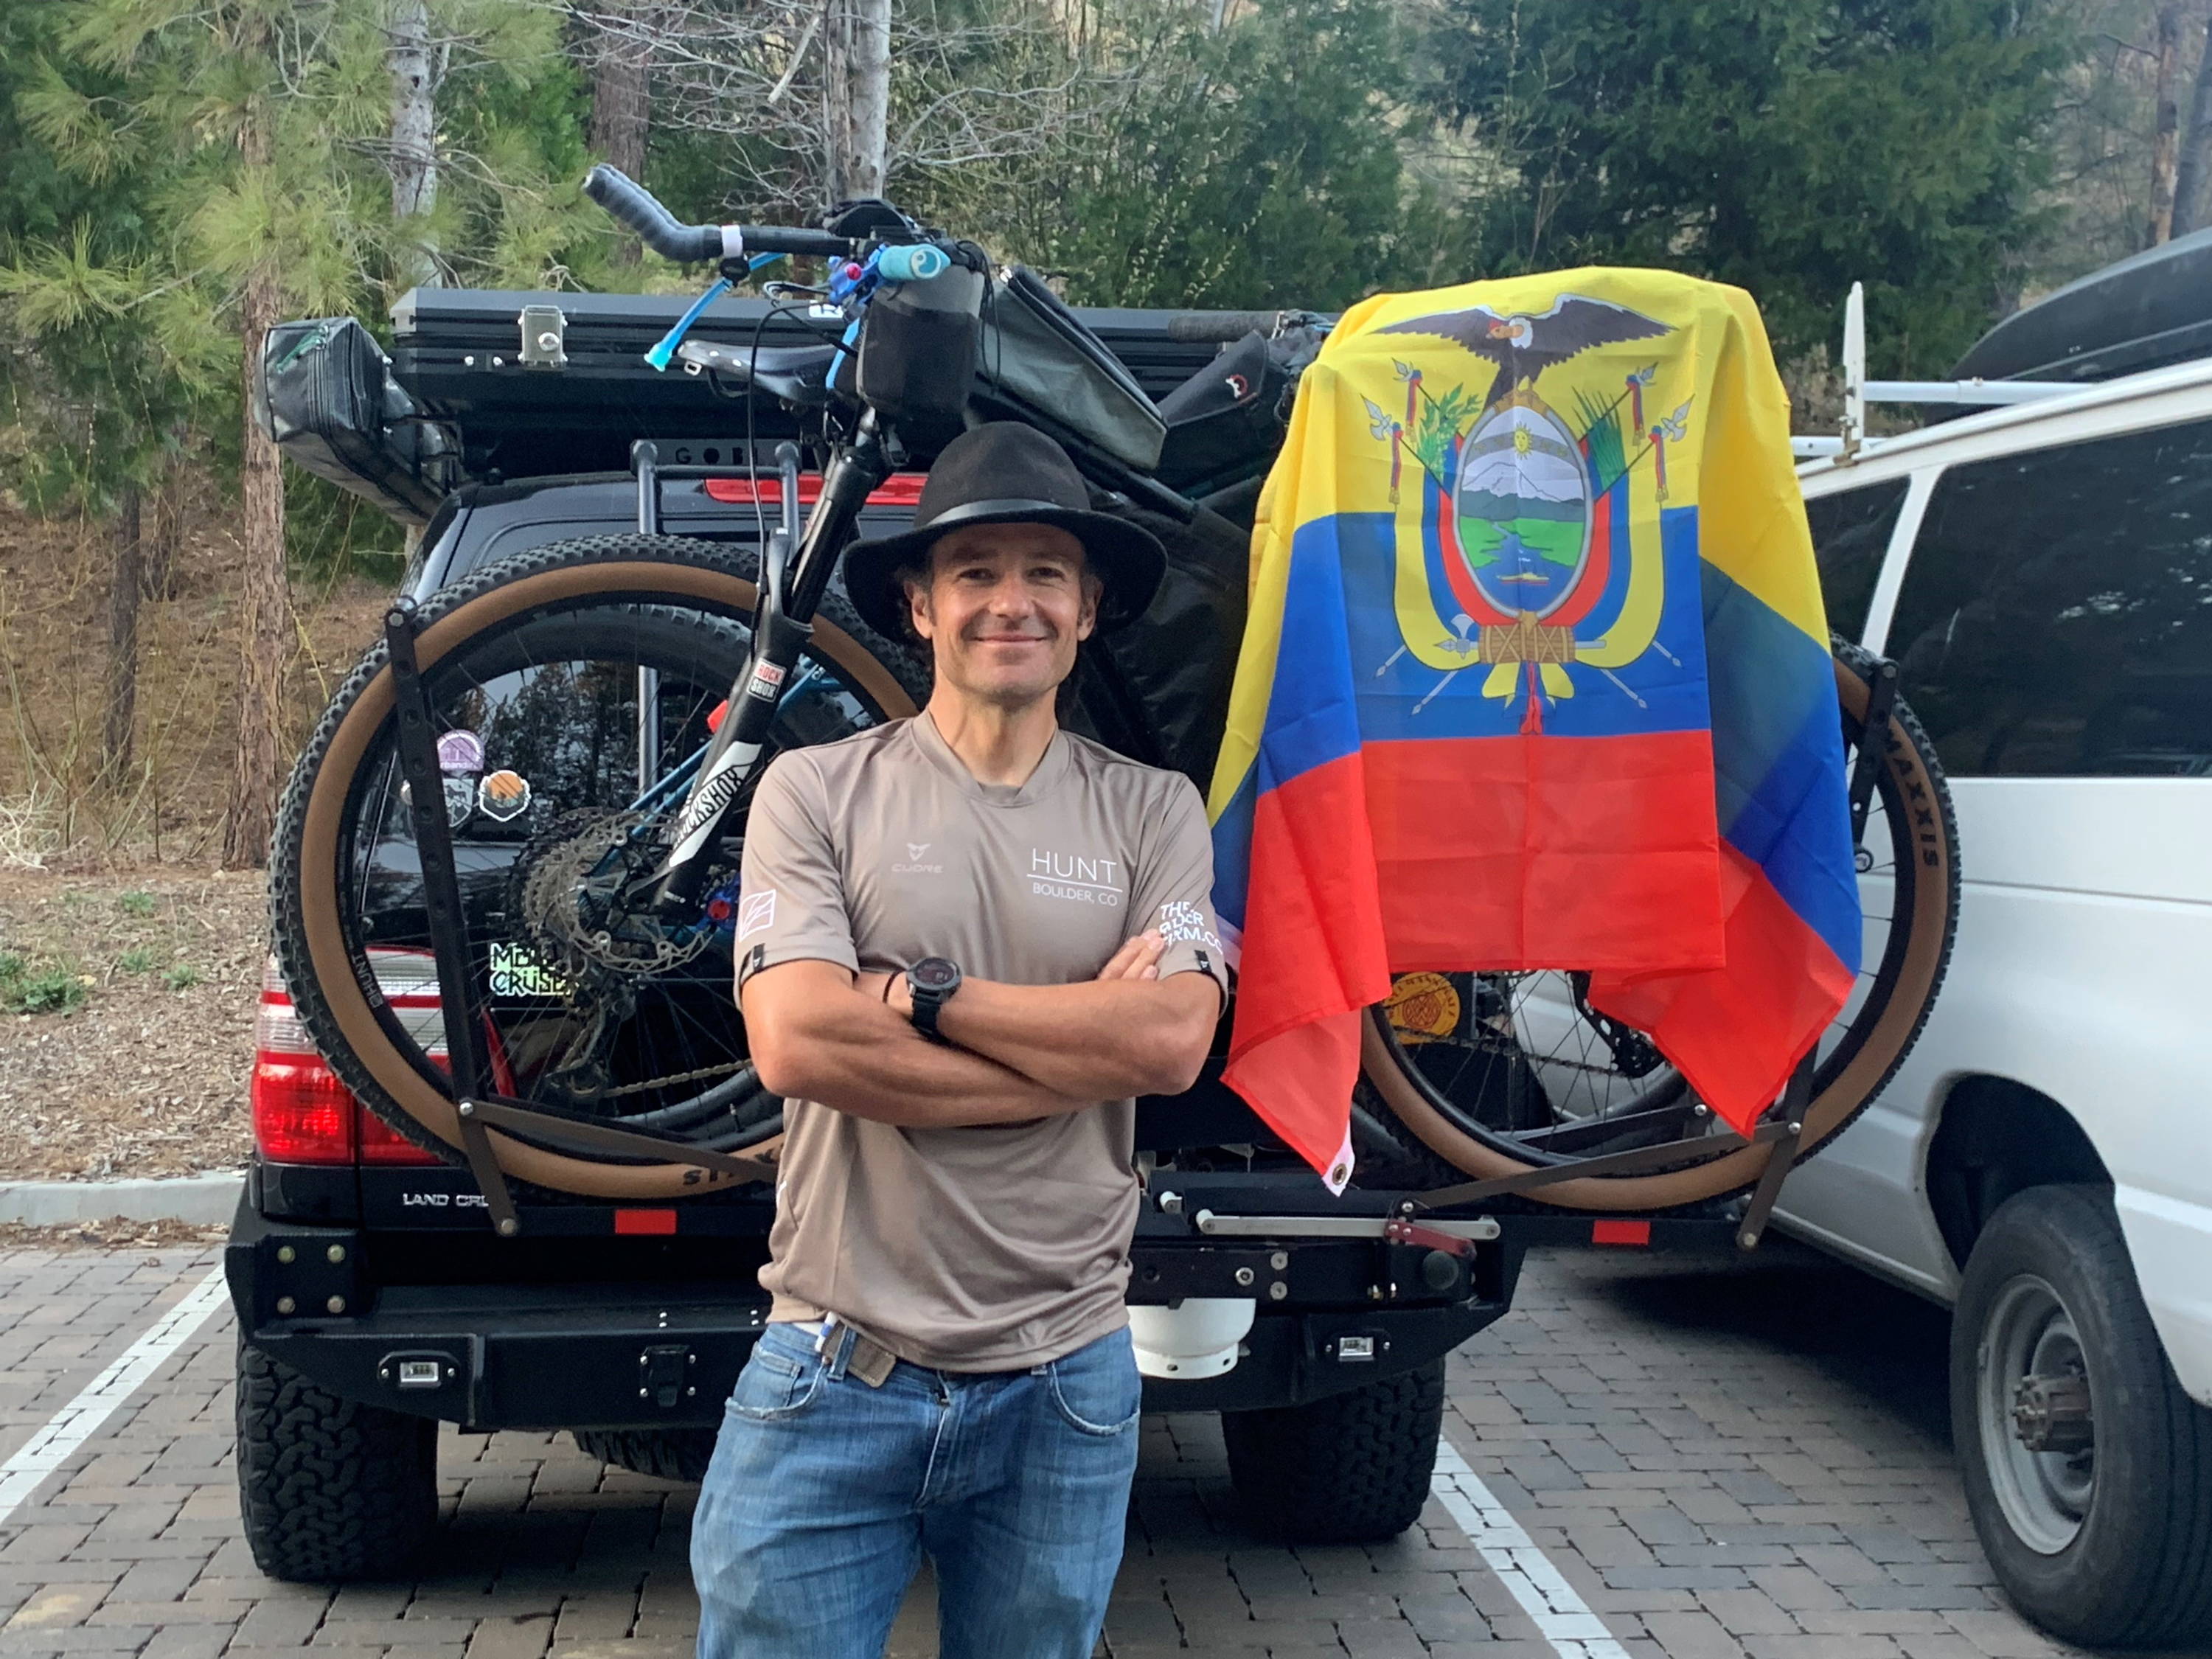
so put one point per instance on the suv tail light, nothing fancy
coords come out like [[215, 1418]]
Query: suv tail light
[[301, 1113]]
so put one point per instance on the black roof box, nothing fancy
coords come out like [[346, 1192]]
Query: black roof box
[[2143, 312], [458, 352]]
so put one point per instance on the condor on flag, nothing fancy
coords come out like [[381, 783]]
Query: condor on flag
[[1536, 675]]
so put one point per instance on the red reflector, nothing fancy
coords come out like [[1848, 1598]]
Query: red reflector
[[645, 1221], [1621, 1232], [900, 490], [382, 1143], [301, 1113], [717, 714]]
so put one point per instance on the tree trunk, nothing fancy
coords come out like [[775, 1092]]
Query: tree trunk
[[2196, 158], [414, 137], [2164, 144], [263, 610], [621, 103], [158, 581], [126, 583], [858, 76]]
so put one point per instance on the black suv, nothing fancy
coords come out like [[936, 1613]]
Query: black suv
[[375, 1299]]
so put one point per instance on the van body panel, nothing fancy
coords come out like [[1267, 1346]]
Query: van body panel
[[2084, 951]]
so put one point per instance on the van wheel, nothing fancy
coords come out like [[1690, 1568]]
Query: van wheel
[[670, 1453], [1352, 1468], [330, 1489], [2088, 1470]]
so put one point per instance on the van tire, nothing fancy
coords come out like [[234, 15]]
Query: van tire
[[1351, 1469], [2137, 1572], [666, 1454], [330, 1490]]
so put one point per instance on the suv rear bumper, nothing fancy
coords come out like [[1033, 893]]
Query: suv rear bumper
[[664, 1353]]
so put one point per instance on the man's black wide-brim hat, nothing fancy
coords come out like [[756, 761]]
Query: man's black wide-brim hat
[[1004, 472]]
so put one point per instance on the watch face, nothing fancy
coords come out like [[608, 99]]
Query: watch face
[[934, 974]]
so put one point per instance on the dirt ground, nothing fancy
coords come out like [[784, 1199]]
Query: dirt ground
[[146, 1074]]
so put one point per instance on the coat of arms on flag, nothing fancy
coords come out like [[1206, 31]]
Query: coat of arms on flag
[[1536, 677]]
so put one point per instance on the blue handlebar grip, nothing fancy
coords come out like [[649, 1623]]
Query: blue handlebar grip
[[914, 263]]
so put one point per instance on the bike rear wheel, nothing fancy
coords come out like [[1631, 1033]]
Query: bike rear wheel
[[595, 1008], [1496, 1075]]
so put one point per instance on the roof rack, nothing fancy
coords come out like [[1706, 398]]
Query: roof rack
[[1858, 392]]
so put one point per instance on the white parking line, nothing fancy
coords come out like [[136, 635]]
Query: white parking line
[[1561, 1616], [78, 1421]]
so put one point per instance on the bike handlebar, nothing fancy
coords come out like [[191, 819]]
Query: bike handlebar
[[658, 228], [1222, 327], [1225, 326]]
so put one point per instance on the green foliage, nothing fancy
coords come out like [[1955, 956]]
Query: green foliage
[[48, 991], [12, 968], [136, 902], [1260, 166], [1786, 146], [182, 977], [137, 960]]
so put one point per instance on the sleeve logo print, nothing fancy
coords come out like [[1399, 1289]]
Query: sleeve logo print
[[755, 913], [1181, 921]]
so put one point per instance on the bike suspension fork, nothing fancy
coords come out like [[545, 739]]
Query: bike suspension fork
[[783, 622]]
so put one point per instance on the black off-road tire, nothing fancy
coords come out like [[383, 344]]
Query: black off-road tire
[[1350, 1469], [669, 1454], [2138, 1573], [331, 1490]]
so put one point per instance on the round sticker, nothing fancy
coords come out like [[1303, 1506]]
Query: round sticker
[[460, 752], [503, 795], [1422, 1007]]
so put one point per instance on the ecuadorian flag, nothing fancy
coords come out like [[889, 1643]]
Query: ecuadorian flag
[[1536, 675]]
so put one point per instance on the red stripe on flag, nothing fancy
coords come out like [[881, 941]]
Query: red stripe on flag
[[1505, 854], [1313, 958], [1737, 1033]]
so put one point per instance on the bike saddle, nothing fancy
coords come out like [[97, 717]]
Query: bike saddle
[[796, 374]]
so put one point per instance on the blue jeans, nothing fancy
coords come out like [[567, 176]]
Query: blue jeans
[[824, 1493]]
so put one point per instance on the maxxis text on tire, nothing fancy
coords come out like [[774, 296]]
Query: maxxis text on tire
[[2138, 1572], [1351, 1469], [330, 1490], [669, 1454]]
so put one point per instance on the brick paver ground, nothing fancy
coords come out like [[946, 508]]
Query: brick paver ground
[[1748, 1460]]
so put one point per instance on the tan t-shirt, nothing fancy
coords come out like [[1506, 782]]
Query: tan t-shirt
[[985, 1248]]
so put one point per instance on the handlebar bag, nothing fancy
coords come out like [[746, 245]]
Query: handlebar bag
[[324, 394], [918, 352], [1039, 357]]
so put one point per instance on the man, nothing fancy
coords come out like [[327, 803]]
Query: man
[[965, 942]]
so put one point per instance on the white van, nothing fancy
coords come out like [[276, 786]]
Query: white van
[[2042, 575]]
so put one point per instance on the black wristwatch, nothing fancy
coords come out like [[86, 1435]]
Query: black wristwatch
[[930, 983]]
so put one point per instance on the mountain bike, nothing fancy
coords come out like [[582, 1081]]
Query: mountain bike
[[505, 877]]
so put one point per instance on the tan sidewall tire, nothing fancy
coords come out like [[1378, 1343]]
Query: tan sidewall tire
[[1836, 1105], [323, 823]]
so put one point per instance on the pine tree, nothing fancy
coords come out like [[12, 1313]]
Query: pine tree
[[274, 169]]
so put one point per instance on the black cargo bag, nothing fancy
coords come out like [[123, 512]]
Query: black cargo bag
[[1038, 356], [325, 395]]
